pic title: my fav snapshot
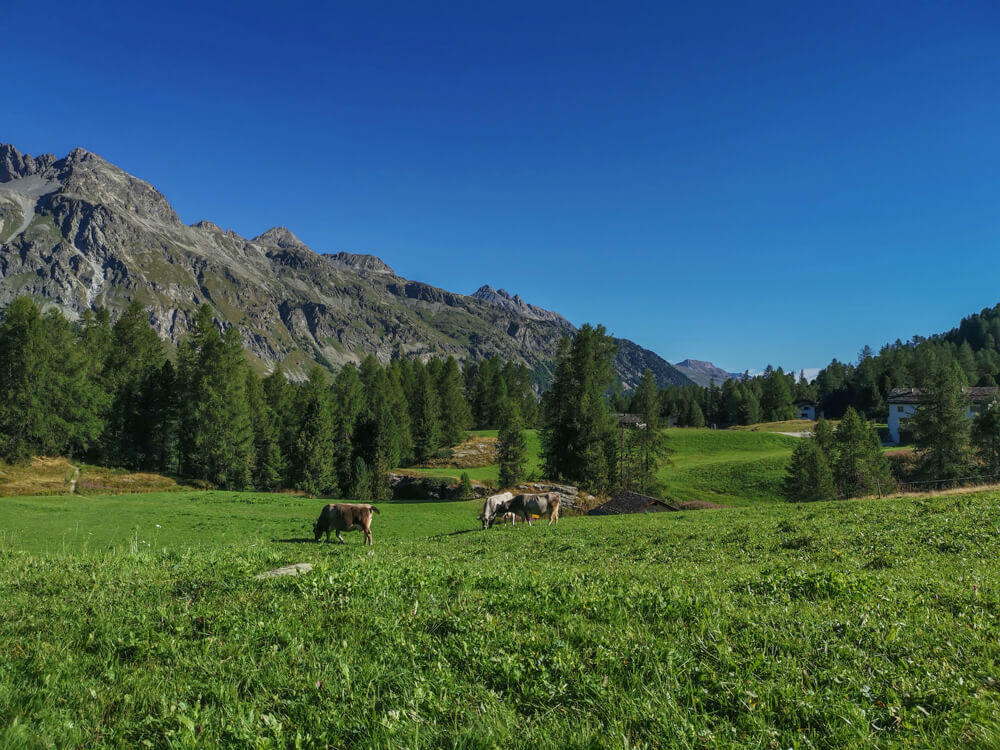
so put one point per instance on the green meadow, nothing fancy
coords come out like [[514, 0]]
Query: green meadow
[[727, 467], [136, 621]]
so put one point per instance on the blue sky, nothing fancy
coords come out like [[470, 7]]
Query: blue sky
[[747, 183]]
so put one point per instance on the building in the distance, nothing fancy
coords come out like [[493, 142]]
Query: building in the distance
[[904, 402], [805, 410]]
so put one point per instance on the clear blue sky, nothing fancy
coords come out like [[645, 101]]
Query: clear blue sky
[[748, 183]]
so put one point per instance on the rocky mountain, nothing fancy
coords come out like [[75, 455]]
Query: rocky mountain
[[703, 373], [79, 232]]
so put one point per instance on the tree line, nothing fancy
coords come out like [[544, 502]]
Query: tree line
[[110, 394], [971, 351]]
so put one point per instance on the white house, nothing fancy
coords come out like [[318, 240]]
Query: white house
[[903, 404], [805, 410]]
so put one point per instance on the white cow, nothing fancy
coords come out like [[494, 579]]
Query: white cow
[[494, 508]]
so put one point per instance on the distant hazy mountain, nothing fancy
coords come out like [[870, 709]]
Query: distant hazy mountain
[[78, 232], [703, 373]]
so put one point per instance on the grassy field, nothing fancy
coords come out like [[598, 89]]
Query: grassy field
[[789, 425], [727, 467], [135, 621]]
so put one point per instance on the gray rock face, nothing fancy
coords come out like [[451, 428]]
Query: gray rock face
[[517, 305], [79, 232]]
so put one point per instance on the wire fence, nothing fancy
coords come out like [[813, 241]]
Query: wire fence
[[929, 485]]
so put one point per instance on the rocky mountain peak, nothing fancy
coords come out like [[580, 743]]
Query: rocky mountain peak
[[14, 164], [79, 155], [208, 226], [360, 262], [515, 304], [281, 237]]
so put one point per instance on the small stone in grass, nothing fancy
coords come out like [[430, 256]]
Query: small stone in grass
[[288, 570]]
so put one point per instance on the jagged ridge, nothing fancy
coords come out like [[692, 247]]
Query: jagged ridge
[[79, 232]]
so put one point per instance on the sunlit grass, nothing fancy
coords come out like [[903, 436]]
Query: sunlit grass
[[136, 619]]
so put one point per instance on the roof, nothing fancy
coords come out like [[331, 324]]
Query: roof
[[805, 402], [630, 420], [976, 394], [631, 502]]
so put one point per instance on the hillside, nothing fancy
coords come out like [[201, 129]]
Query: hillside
[[79, 232]]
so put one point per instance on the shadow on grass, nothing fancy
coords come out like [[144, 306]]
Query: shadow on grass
[[298, 540], [453, 533]]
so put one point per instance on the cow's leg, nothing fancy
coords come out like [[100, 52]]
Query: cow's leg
[[368, 536], [527, 517], [339, 537], [328, 536]]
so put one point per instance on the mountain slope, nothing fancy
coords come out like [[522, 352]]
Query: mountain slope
[[703, 373], [79, 232]]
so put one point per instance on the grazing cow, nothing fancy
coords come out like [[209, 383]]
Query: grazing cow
[[337, 517], [545, 504], [492, 508]]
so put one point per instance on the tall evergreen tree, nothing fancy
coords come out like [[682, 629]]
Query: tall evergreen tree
[[809, 476], [578, 432], [269, 463], [313, 462], [215, 413], [425, 415], [350, 399], [647, 445], [941, 431], [132, 367], [986, 438], [859, 466], [49, 401], [512, 450], [456, 416]]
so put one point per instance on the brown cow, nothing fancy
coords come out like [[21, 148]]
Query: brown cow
[[337, 517]]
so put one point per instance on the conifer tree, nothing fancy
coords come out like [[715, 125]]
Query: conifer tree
[[578, 432], [134, 359], [425, 415], [350, 399], [512, 449], [941, 431], [215, 414], [313, 463], [361, 481], [809, 476], [455, 413], [647, 444], [859, 466], [750, 408], [49, 401], [986, 438], [269, 464]]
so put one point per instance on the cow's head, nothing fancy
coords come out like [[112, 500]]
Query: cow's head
[[485, 520], [316, 531]]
